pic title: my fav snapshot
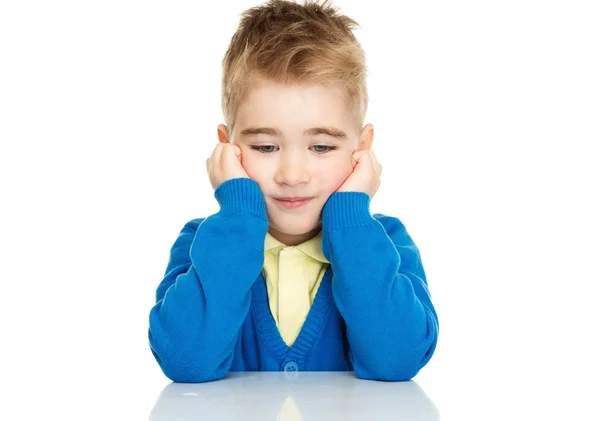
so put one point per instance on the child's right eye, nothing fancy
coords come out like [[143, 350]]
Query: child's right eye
[[260, 148]]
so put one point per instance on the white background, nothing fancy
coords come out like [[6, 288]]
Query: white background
[[487, 124]]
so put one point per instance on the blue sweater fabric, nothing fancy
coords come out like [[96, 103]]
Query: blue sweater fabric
[[372, 313]]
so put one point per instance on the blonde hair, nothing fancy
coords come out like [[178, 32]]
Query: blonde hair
[[289, 43]]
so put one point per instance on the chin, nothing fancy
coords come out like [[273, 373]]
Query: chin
[[297, 228]]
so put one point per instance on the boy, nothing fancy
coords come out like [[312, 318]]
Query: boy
[[293, 272]]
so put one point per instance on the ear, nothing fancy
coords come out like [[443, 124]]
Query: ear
[[223, 133], [366, 137]]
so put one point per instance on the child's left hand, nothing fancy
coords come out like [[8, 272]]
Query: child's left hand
[[366, 174]]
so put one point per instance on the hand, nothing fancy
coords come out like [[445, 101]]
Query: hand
[[366, 174], [225, 164]]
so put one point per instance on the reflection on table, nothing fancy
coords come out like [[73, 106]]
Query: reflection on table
[[293, 396]]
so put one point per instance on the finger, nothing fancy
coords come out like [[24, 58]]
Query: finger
[[217, 153], [230, 155], [376, 163], [356, 156], [364, 156], [373, 158]]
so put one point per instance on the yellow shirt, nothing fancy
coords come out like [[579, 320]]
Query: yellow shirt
[[293, 275]]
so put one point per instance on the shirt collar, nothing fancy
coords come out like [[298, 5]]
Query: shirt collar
[[311, 247]]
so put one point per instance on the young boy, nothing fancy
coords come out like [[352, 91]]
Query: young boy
[[293, 272]]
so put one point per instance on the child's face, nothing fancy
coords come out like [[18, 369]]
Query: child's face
[[291, 163]]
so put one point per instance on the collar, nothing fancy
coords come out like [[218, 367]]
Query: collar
[[311, 247]]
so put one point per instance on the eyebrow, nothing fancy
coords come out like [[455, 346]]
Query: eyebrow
[[329, 131]]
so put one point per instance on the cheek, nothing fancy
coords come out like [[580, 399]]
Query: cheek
[[252, 166], [336, 174]]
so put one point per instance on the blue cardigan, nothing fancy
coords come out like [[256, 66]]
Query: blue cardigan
[[372, 313]]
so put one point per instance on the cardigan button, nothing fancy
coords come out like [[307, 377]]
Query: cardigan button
[[290, 366]]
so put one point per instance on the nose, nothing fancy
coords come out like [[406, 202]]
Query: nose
[[292, 169]]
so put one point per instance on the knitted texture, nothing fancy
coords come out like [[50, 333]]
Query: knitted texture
[[372, 313]]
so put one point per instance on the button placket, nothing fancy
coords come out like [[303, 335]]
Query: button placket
[[291, 366]]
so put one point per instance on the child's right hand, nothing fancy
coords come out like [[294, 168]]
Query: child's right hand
[[225, 164]]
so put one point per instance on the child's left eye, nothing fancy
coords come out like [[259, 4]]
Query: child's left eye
[[326, 148]]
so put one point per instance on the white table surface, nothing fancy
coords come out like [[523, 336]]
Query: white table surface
[[294, 396]]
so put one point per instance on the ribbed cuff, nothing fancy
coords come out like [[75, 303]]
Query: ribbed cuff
[[241, 195], [346, 210]]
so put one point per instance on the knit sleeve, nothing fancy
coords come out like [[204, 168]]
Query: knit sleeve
[[380, 288], [204, 296]]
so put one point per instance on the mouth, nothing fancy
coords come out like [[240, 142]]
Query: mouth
[[292, 202]]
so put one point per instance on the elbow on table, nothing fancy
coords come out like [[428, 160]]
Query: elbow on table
[[184, 372], [395, 374]]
